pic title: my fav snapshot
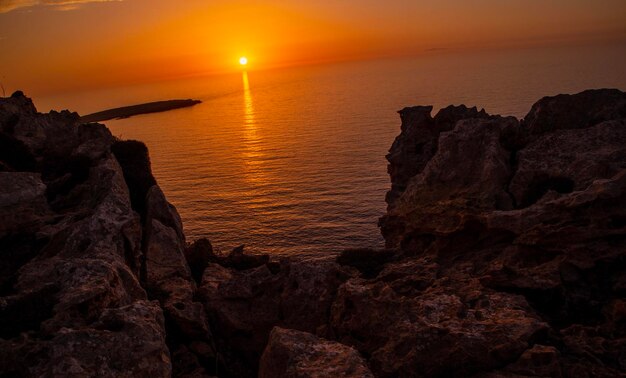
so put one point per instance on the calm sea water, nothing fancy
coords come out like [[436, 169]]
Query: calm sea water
[[292, 161]]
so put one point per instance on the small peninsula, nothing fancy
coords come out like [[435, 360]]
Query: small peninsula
[[133, 110]]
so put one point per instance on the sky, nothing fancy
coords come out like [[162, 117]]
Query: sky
[[61, 45]]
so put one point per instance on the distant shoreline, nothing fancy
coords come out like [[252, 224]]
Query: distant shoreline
[[133, 110]]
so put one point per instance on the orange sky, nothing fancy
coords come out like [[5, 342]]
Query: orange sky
[[53, 45]]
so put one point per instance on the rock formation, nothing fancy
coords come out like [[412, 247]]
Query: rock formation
[[292, 353], [505, 257], [525, 218], [94, 282]]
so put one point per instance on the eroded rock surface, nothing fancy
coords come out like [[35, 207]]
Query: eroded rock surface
[[75, 241], [244, 305], [505, 257], [291, 353], [524, 217]]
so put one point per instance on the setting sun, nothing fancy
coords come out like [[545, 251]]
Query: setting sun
[[351, 203]]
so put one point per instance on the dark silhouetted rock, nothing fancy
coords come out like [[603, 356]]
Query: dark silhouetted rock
[[22, 193], [237, 259], [418, 142], [198, 255], [538, 361], [135, 162], [133, 110], [368, 261], [290, 353], [577, 111], [14, 155], [167, 275], [438, 328]]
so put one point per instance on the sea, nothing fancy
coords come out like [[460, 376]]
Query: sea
[[291, 161]]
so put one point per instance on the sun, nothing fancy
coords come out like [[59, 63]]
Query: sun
[[243, 60]]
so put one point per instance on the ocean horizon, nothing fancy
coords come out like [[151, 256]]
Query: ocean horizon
[[292, 161]]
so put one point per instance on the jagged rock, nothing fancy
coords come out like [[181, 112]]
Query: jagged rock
[[578, 111], [167, 275], [417, 143], [245, 305], [198, 255], [127, 341], [70, 297], [528, 216], [291, 353], [467, 175], [414, 325], [135, 162], [368, 261], [237, 259], [568, 160], [506, 258], [72, 248]]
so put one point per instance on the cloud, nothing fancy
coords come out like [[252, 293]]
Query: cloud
[[9, 5]]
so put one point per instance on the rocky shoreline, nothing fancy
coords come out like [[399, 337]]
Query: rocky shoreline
[[505, 257]]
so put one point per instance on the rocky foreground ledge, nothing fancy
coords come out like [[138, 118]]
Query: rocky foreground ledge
[[506, 257]]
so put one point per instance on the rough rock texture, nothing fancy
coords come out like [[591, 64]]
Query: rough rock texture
[[505, 257], [518, 235], [244, 305], [168, 277], [76, 254], [291, 353]]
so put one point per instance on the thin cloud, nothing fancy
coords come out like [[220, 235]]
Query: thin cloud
[[9, 5]]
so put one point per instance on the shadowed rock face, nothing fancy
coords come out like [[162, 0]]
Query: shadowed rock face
[[76, 253], [505, 212], [133, 157]]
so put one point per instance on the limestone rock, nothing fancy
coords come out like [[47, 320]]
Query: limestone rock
[[70, 300], [167, 275], [127, 341], [291, 353], [245, 305], [22, 193], [506, 246], [577, 111], [524, 217], [442, 329]]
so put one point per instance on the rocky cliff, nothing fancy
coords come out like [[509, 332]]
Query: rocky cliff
[[93, 278], [506, 257]]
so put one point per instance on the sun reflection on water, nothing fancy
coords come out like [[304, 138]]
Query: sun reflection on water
[[252, 140], [247, 98]]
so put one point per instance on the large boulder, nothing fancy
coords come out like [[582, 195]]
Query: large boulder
[[290, 354], [244, 305]]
